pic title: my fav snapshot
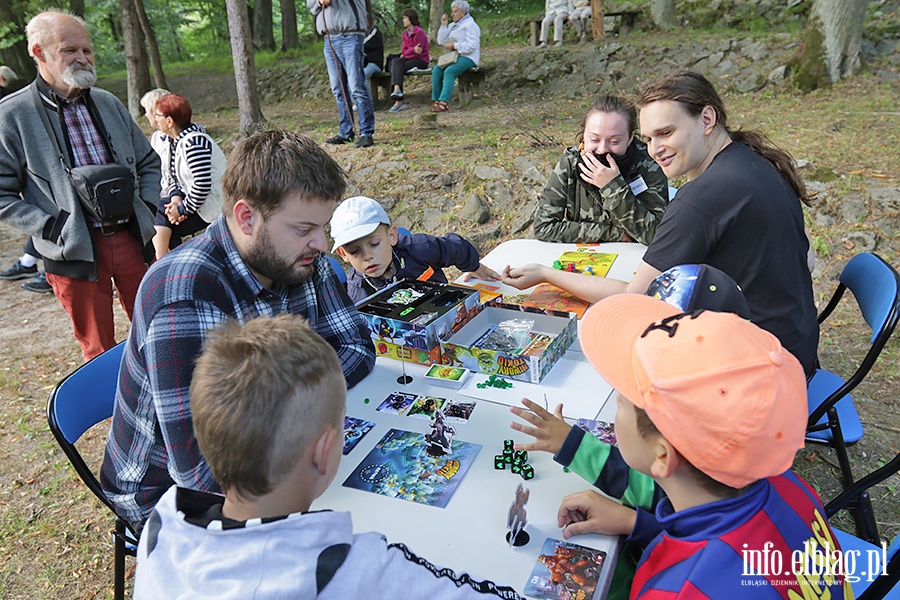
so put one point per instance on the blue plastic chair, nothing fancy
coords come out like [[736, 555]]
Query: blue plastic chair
[[81, 400], [833, 418], [885, 585], [672, 192], [338, 269]]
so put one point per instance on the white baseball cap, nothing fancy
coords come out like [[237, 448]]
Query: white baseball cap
[[356, 218]]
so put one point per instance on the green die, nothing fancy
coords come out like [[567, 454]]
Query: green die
[[517, 468], [500, 462], [520, 456], [527, 472], [508, 444]]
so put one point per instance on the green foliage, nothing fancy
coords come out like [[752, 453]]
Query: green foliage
[[820, 246]]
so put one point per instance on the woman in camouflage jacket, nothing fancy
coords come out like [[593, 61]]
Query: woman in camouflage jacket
[[586, 201]]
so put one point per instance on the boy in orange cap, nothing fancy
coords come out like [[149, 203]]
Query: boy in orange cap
[[713, 408]]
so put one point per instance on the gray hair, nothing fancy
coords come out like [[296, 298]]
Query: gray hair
[[461, 5], [148, 100], [40, 28], [7, 74]]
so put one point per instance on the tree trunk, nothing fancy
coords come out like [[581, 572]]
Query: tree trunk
[[663, 14], [159, 77], [830, 46], [252, 119], [135, 57], [434, 22], [597, 24], [289, 37], [841, 24], [263, 36], [77, 7]]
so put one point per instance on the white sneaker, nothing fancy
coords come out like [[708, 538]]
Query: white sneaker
[[559, 43], [542, 45]]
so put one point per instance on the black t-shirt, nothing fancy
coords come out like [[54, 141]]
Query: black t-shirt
[[743, 217]]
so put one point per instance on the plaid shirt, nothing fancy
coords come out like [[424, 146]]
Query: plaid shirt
[[151, 444]]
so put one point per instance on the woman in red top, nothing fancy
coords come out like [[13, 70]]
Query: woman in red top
[[414, 54]]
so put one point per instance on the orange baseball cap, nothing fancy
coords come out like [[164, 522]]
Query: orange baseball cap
[[724, 392]]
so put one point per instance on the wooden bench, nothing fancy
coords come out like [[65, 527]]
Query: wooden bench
[[468, 85], [628, 18]]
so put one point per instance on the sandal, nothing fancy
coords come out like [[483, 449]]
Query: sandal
[[439, 106]]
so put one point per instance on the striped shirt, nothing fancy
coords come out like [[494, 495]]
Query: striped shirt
[[151, 444], [198, 151]]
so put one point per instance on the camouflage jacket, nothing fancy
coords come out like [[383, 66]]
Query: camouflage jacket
[[572, 210]]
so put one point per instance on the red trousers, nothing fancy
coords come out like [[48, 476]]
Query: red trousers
[[89, 303]]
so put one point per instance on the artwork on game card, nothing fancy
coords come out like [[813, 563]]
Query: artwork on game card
[[399, 467], [565, 571], [594, 263], [424, 406], [459, 410], [547, 295], [397, 403], [602, 430], [355, 430]]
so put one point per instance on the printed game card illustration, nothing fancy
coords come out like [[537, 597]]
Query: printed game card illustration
[[397, 403], [459, 411], [424, 407], [602, 430], [565, 571], [355, 430], [399, 467]]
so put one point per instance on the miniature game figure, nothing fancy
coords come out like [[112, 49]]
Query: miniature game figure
[[517, 518], [440, 440]]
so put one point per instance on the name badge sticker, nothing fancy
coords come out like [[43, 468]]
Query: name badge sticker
[[638, 185]]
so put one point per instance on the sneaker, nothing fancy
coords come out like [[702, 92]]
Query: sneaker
[[339, 139], [542, 45], [38, 284], [559, 43], [364, 141], [18, 271], [397, 95], [398, 108]]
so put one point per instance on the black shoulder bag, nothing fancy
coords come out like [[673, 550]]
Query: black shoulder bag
[[106, 191]]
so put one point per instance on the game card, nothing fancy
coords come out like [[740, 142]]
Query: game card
[[397, 403], [458, 411], [355, 430], [400, 467], [602, 430], [424, 406], [565, 571]]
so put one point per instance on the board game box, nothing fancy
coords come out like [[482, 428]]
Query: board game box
[[565, 571], [552, 334], [399, 466], [408, 319]]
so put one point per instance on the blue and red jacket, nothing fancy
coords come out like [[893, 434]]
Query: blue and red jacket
[[738, 548]]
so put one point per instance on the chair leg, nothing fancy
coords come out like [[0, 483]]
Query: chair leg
[[863, 515], [119, 570]]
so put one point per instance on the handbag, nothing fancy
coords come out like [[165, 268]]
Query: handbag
[[105, 191], [447, 58]]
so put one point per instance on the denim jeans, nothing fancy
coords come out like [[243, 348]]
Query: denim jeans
[[370, 69], [346, 74]]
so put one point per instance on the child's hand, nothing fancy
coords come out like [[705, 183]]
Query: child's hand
[[590, 512], [524, 277], [549, 431], [483, 272]]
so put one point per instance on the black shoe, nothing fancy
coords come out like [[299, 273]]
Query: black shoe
[[38, 284], [339, 139], [364, 141], [18, 271]]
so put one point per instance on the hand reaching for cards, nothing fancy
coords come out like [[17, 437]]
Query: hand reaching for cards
[[524, 277], [482, 272], [549, 430], [590, 512]]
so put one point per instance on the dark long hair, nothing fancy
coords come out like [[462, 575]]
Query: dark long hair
[[694, 92]]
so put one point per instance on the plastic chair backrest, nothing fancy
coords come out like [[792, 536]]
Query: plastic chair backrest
[[403, 231], [672, 192], [875, 286], [338, 269]]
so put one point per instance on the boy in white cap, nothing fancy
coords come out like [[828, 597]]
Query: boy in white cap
[[713, 409], [379, 254]]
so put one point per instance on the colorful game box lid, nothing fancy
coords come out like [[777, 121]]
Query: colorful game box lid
[[452, 377]]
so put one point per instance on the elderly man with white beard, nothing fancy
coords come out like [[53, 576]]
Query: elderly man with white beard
[[57, 123]]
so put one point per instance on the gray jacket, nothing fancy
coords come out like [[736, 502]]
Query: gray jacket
[[341, 16], [37, 196]]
